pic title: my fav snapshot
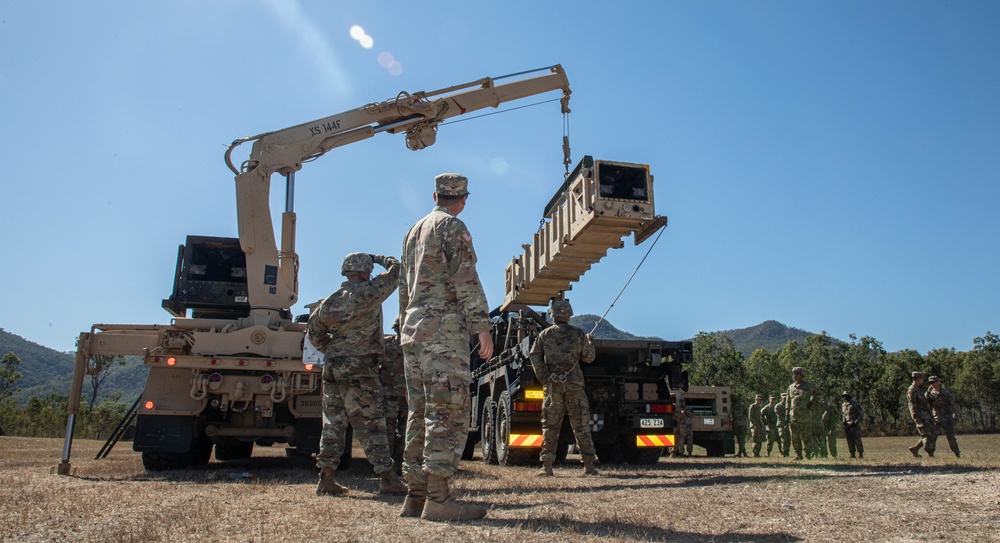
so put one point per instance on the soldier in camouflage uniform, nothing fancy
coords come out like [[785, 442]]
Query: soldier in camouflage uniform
[[756, 424], [784, 438], [920, 412], [442, 304], [830, 426], [852, 415], [943, 408], [684, 425], [393, 377], [347, 328], [816, 431], [555, 357], [770, 419], [740, 425], [799, 405]]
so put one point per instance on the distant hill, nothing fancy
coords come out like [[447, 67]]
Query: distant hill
[[771, 335], [605, 330], [46, 371]]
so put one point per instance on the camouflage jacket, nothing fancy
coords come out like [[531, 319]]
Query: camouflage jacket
[[768, 416], [830, 419], [779, 412], [440, 296], [753, 414], [391, 371], [739, 416], [558, 350], [684, 418], [349, 321], [920, 410], [799, 401], [851, 413], [942, 405]]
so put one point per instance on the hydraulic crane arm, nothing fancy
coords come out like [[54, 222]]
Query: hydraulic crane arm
[[272, 276]]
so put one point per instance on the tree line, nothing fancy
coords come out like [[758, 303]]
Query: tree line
[[876, 378]]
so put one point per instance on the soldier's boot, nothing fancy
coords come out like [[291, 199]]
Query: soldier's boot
[[861, 454], [915, 450], [390, 483], [327, 486], [413, 503], [852, 455], [588, 467], [546, 470], [440, 506]]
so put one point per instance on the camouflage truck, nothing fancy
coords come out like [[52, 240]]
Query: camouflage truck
[[713, 417], [628, 386]]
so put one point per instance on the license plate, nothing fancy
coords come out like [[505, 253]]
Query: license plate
[[651, 423], [709, 422]]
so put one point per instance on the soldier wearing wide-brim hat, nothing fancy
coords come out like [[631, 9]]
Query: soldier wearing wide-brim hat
[[920, 412]]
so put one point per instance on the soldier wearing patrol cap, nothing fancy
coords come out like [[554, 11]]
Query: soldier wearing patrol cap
[[799, 405], [555, 357], [770, 419], [756, 424], [852, 415], [784, 438], [347, 328], [442, 306], [943, 408], [920, 412]]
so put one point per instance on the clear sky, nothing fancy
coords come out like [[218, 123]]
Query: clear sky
[[831, 165]]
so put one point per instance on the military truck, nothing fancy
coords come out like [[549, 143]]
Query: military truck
[[629, 384], [713, 417], [228, 371]]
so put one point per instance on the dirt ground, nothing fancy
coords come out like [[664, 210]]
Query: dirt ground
[[888, 496]]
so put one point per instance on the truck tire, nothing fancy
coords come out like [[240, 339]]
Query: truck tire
[[230, 448], [642, 456], [609, 453], [714, 449], [201, 451], [161, 461], [487, 442], [507, 455]]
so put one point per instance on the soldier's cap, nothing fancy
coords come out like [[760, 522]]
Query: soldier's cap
[[357, 263], [932, 379], [560, 309], [451, 184], [916, 375], [395, 323], [759, 397], [771, 397], [799, 370], [784, 394], [846, 394]]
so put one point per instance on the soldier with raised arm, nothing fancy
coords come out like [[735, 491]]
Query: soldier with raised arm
[[556, 356], [347, 328], [442, 305]]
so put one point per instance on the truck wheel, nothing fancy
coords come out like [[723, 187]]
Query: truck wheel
[[642, 456], [161, 461], [201, 451], [609, 453], [714, 449], [487, 443], [507, 455], [230, 448]]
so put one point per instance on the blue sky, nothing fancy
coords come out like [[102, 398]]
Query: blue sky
[[833, 166]]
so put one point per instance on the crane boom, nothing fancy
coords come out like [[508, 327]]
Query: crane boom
[[272, 275]]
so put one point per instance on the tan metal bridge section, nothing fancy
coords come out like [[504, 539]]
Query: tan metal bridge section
[[600, 203]]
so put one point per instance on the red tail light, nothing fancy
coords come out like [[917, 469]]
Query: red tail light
[[527, 406]]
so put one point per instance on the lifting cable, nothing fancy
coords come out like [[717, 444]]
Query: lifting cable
[[600, 320]]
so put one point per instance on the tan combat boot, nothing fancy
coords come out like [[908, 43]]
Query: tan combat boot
[[413, 503], [391, 484], [546, 470], [327, 486], [588, 467], [441, 506]]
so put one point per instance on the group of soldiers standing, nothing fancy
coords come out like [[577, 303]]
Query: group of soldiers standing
[[801, 421]]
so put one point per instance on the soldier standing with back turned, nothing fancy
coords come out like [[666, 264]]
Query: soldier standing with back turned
[[442, 305], [556, 357], [347, 329]]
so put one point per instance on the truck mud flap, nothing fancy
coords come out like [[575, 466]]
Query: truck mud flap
[[164, 433], [307, 434]]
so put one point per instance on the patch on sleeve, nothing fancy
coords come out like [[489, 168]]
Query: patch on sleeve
[[467, 236]]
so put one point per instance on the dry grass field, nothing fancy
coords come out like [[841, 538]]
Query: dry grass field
[[889, 496]]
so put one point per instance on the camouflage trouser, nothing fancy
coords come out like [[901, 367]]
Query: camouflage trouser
[[396, 413], [757, 433], [819, 439], [352, 393], [684, 438], [570, 399], [948, 429], [786, 439], [772, 438], [800, 436], [437, 390], [928, 434], [853, 436], [831, 442], [740, 433]]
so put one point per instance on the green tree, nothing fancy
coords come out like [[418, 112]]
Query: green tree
[[716, 361], [8, 374], [863, 367], [764, 374], [980, 380], [98, 369]]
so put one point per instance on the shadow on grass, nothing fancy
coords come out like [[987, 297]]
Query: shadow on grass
[[567, 527]]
